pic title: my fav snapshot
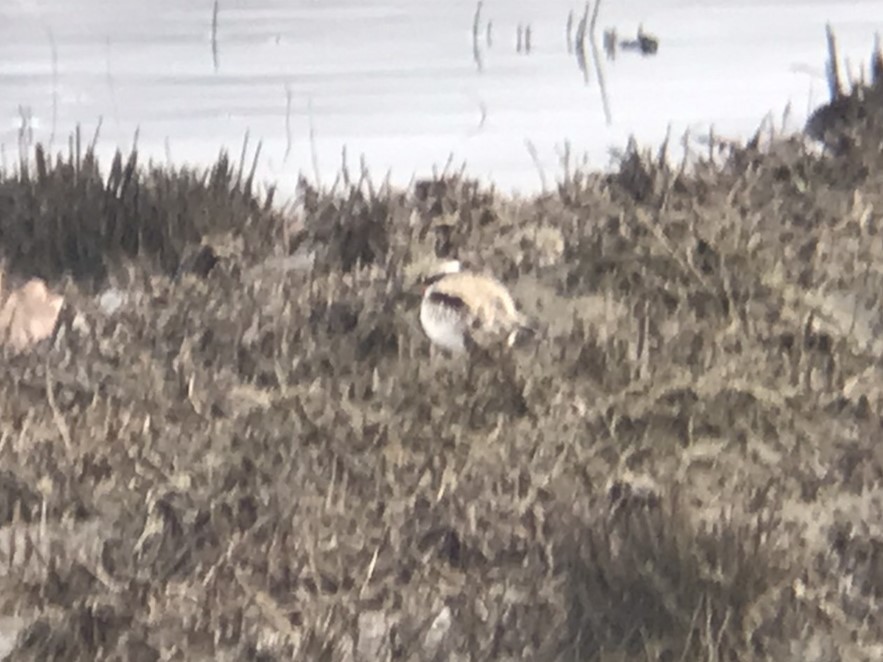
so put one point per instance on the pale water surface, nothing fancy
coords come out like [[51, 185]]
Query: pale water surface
[[396, 80]]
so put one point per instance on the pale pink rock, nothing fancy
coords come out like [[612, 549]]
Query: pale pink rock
[[27, 314]]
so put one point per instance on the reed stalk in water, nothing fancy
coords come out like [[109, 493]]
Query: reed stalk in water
[[215, 35]]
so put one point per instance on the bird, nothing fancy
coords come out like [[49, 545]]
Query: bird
[[462, 310]]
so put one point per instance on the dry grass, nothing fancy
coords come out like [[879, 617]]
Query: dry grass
[[252, 458]]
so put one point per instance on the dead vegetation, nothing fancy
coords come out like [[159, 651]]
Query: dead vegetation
[[252, 456]]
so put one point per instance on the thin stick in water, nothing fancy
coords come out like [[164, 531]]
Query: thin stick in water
[[476, 50], [568, 33], [579, 44], [598, 70], [594, 19], [605, 101], [215, 35]]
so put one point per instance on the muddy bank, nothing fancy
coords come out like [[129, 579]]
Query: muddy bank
[[251, 454]]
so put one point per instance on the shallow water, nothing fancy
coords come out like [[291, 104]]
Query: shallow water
[[397, 80]]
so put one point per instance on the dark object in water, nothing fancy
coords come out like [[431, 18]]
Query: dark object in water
[[645, 44]]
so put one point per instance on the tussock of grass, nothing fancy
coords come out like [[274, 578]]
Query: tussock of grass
[[63, 216]]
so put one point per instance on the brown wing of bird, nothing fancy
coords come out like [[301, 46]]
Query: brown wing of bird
[[497, 314]]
